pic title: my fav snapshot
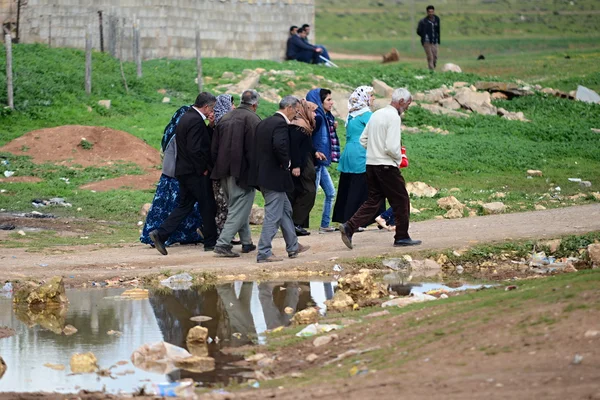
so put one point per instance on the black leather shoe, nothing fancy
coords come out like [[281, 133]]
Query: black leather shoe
[[222, 251], [158, 244], [247, 248], [346, 235], [300, 231], [406, 242], [236, 242]]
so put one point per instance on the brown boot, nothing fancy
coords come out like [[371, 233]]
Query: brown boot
[[301, 249]]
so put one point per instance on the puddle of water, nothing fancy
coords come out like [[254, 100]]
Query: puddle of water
[[241, 312]]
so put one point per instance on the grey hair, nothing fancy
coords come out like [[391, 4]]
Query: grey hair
[[249, 97], [401, 94], [288, 101]]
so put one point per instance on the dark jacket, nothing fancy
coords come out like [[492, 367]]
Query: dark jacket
[[270, 164], [429, 30], [296, 47], [233, 143], [321, 137], [193, 145], [300, 147]]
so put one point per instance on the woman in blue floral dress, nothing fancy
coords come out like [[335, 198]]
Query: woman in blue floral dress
[[167, 196]]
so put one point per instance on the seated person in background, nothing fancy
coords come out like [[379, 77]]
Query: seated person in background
[[293, 32], [301, 51], [324, 52]]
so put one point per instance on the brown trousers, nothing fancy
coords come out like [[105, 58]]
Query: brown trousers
[[431, 51], [384, 182]]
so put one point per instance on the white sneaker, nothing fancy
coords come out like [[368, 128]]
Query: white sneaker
[[326, 230]]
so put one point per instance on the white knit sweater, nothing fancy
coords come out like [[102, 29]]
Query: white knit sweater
[[381, 137]]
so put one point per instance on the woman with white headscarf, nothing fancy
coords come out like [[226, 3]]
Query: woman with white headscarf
[[352, 187]]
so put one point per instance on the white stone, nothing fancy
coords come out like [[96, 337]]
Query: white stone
[[104, 103], [496, 207], [421, 189], [324, 340], [381, 88], [449, 67], [166, 99], [534, 172], [450, 202]]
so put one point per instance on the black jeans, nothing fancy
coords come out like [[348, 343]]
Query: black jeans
[[384, 182], [192, 189]]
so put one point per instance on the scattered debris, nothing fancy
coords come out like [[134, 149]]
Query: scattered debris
[[56, 201], [178, 282], [183, 388], [350, 353], [405, 301], [158, 357], [316, 328], [577, 359], [56, 367]]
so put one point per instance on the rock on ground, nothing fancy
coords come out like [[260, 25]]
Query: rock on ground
[[496, 207], [449, 203], [594, 253], [49, 294], [435, 109], [534, 172], [453, 213], [381, 88], [449, 67], [324, 340], [587, 95], [257, 215], [421, 189], [341, 301], [196, 364], [306, 317], [361, 287]]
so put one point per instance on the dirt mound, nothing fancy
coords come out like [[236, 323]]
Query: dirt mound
[[21, 179], [135, 182], [62, 145]]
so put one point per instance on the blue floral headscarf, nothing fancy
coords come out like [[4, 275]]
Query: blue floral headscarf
[[223, 105]]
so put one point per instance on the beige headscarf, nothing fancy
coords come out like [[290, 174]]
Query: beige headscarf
[[305, 118]]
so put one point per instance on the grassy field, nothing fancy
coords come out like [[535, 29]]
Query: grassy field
[[483, 155]]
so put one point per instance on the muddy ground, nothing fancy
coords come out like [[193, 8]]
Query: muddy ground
[[82, 264]]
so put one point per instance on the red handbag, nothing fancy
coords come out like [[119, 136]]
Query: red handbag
[[404, 162]]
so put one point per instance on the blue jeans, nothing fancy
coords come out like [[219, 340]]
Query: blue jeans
[[324, 179], [388, 216]]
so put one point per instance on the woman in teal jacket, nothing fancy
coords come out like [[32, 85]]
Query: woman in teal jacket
[[352, 187]]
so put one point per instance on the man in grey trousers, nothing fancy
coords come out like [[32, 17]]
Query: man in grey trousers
[[232, 150], [271, 173]]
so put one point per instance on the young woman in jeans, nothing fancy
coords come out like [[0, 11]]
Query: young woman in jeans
[[325, 140]]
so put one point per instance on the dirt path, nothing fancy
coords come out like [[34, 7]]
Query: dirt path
[[81, 264]]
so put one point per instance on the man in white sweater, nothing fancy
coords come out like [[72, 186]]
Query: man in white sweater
[[381, 138]]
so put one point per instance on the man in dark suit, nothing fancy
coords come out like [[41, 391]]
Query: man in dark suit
[[271, 174], [298, 49], [192, 170]]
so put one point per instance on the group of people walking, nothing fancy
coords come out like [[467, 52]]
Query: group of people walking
[[216, 156]]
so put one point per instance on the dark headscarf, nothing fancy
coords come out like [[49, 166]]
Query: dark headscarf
[[223, 105], [305, 118]]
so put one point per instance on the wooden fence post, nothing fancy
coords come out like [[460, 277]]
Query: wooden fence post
[[88, 60], [137, 48], [199, 59], [9, 76], [49, 30]]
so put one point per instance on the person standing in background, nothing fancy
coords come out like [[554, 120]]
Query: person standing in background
[[429, 31]]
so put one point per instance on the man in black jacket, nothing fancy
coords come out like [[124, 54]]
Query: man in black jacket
[[298, 49], [232, 146], [429, 30], [271, 173], [192, 170]]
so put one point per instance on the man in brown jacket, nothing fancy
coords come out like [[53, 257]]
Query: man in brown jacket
[[232, 148]]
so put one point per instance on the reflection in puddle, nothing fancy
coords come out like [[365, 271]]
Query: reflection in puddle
[[241, 312]]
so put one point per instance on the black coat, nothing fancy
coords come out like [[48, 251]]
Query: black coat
[[271, 162], [429, 30], [233, 144], [297, 47], [193, 145]]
